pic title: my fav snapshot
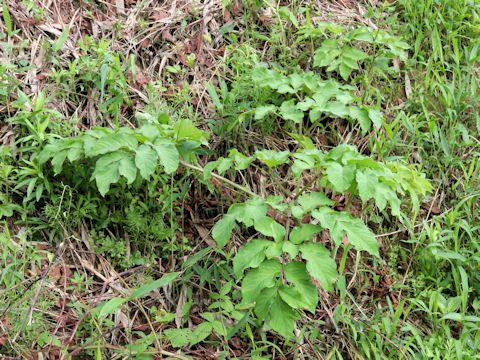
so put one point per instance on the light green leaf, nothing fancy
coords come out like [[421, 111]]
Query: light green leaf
[[366, 184], [146, 160], [289, 111], [106, 171], [296, 274], [249, 255], [273, 158], [185, 130], [257, 279], [264, 302], [262, 111], [320, 264], [360, 236], [361, 115], [147, 288], [340, 177], [269, 227], [313, 200], [222, 230], [290, 248], [304, 232], [109, 307], [168, 154], [376, 117], [201, 332], [127, 169], [112, 142], [282, 317], [292, 296], [178, 337], [61, 40]]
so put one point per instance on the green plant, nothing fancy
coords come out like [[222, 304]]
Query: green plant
[[279, 282]]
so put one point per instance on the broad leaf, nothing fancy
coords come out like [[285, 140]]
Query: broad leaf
[[114, 141], [313, 200], [222, 230], [257, 279], [127, 169], [146, 160], [282, 317], [303, 232], [340, 177], [168, 154], [320, 264], [296, 274], [269, 227], [249, 255]]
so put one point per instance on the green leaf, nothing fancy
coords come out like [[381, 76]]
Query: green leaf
[[264, 301], [340, 177], [269, 227], [289, 111], [178, 337], [201, 332], [361, 115], [282, 317], [285, 13], [106, 170], [61, 40], [249, 255], [257, 279], [376, 117], [290, 248], [303, 232], [147, 288], [7, 19], [292, 296], [222, 230], [112, 142], [366, 184], [127, 169], [168, 154], [109, 307], [320, 264], [185, 130], [146, 160], [360, 236], [313, 200], [296, 274], [214, 96], [103, 78], [273, 158], [262, 111]]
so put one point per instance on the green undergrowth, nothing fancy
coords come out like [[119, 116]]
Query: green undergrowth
[[330, 197]]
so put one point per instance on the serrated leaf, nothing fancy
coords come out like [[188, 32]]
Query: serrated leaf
[[340, 177], [290, 248], [273, 158], [361, 115], [296, 274], [264, 302], [250, 255], [106, 171], [289, 111], [360, 236], [262, 111], [257, 279], [320, 264], [186, 130], [178, 337], [222, 230], [376, 117], [282, 317], [127, 169], [201, 332], [274, 250], [168, 154], [303, 232], [366, 184], [269, 227], [146, 160], [313, 200], [112, 142]]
